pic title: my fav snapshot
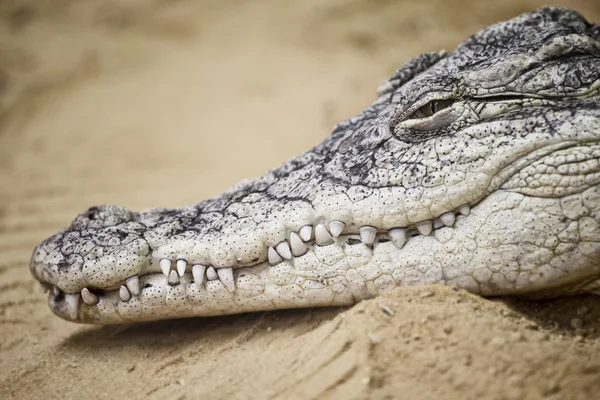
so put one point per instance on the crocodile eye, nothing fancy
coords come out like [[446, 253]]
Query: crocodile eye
[[431, 108]]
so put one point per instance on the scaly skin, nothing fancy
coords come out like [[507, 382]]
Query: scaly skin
[[495, 144]]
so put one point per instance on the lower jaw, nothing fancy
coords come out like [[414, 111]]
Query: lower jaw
[[496, 250]]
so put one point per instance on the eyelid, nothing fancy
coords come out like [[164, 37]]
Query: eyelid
[[430, 109], [439, 120], [406, 115]]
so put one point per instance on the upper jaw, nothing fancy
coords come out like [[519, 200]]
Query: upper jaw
[[67, 262], [71, 267], [161, 241]]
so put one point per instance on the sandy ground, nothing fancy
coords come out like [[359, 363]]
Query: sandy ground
[[164, 103]]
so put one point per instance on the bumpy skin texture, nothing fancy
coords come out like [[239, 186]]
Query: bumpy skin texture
[[477, 168]]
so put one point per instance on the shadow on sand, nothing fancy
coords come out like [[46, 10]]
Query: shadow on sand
[[172, 334]]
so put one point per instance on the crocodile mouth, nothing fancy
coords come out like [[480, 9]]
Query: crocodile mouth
[[311, 257], [305, 253]]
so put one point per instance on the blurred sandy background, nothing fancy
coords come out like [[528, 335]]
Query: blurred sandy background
[[164, 103]]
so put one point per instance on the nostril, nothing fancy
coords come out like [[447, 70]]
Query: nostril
[[91, 214]]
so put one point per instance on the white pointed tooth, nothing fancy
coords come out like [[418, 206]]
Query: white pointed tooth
[[273, 257], [72, 303], [368, 234], [133, 284], [306, 232], [284, 251], [211, 274], [124, 294], [173, 278], [424, 227], [198, 273], [448, 218], [437, 224], [165, 266], [55, 290], [399, 237], [88, 297], [297, 245], [226, 276], [181, 266], [336, 228], [322, 236], [465, 210]]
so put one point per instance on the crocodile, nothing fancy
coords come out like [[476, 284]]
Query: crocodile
[[477, 168]]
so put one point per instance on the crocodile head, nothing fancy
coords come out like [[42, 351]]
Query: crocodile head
[[478, 168]]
